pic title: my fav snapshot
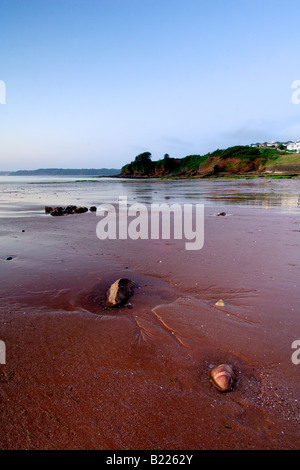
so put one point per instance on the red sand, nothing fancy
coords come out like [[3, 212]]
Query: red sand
[[81, 377]]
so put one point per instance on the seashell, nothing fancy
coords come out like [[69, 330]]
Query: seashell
[[220, 303], [222, 377]]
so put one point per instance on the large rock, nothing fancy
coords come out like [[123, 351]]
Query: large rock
[[58, 211], [119, 292], [70, 209], [80, 210]]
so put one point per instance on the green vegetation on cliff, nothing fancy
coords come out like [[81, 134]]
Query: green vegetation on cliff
[[237, 160]]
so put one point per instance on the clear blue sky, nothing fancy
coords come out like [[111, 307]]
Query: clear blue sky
[[92, 83]]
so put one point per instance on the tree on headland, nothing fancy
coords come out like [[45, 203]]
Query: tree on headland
[[143, 157], [168, 163], [142, 163]]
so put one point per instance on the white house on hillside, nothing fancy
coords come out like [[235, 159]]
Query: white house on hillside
[[294, 147]]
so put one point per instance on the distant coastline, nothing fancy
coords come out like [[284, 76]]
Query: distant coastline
[[63, 172]]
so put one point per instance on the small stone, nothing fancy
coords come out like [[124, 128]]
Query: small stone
[[48, 209], [9, 258], [93, 209], [220, 303], [222, 213]]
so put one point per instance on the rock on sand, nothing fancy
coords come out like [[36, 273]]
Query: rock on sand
[[119, 292]]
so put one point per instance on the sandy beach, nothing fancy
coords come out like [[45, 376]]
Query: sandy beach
[[81, 376]]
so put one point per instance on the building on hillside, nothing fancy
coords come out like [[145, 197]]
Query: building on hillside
[[290, 145], [294, 146]]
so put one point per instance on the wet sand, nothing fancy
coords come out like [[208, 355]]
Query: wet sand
[[79, 376]]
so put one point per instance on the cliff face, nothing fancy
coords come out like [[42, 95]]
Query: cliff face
[[218, 165]]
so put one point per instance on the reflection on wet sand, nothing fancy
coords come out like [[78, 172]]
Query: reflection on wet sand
[[17, 198]]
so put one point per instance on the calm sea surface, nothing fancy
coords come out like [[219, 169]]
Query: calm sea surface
[[27, 196]]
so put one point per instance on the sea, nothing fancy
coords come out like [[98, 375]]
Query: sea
[[27, 196]]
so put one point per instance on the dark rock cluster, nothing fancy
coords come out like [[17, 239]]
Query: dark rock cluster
[[58, 211]]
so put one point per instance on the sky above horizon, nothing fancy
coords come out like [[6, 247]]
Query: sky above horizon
[[93, 83]]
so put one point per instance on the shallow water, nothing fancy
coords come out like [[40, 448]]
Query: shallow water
[[27, 196]]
